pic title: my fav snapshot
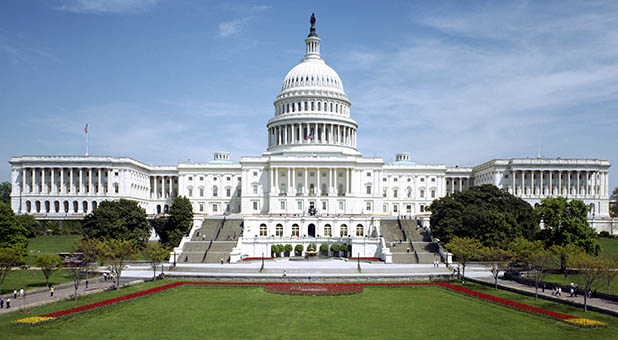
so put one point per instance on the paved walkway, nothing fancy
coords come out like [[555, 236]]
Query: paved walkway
[[565, 298], [39, 297]]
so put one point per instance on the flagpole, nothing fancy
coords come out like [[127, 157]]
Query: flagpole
[[86, 143]]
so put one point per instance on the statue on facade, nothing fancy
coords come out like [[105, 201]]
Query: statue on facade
[[312, 30]]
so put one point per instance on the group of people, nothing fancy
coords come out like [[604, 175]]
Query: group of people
[[557, 290], [21, 294], [436, 263]]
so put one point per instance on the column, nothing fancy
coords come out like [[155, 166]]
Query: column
[[171, 186], [559, 183], [305, 189], [23, 180], [62, 188], [109, 181], [71, 187], [285, 134], [331, 188], [89, 181], [32, 180], [99, 175], [156, 187], [43, 186], [272, 180], [568, 183], [542, 190], [318, 175], [52, 182], [349, 181], [551, 187], [532, 183], [289, 185], [292, 189]]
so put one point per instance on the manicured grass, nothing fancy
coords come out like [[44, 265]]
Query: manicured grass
[[197, 312], [31, 279], [609, 246], [49, 245]]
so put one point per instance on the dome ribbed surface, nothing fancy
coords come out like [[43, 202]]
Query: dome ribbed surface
[[312, 73]]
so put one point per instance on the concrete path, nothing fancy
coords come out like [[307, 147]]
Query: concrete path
[[39, 297]]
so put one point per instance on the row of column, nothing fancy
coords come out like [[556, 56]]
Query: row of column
[[65, 180], [545, 183], [310, 107], [312, 133], [291, 182], [163, 186], [458, 184]]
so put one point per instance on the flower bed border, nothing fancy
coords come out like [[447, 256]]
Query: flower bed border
[[317, 289], [568, 319]]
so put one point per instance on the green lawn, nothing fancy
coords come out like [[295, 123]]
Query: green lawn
[[30, 279], [50, 245], [197, 312], [609, 246]]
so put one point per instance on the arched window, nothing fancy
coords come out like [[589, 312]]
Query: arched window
[[166, 209], [28, 206], [319, 106], [57, 206], [328, 231], [409, 191], [359, 230], [343, 230], [279, 230], [37, 205], [295, 230], [263, 230], [85, 206], [331, 107], [158, 209], [311, 189], [75, 206], [66, 207], [312, 106], [215, 191], [94, 205]]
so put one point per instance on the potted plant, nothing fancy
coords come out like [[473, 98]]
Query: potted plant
[[288, 249], [344, 248], [273, 250], [299, 249], [280, 249], [334, 248], [324, 249]]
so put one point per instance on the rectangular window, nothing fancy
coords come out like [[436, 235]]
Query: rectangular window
[[395, 207], [384, 179], [369, 174], [409, 208], [215, 207], [190, 178], [190, 192], [228, 192], [395, 179], [369, 190], [433, 180], [368, 206], [201, 192], [255, 205], [282, 203], [255, 187], [422, 208], [341, 205], [255, 173], [384, 194], [324, 205], [201, 178], [422, 193], [300, 205], [201, 207], [422, 179], [433, 194], [395, 192], [228, 178]]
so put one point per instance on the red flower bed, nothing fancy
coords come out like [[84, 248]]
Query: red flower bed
[[317, 289], [256, 258], [366, 258], [314, 289]]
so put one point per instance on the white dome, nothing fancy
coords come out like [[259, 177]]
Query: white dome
[[312, 73]]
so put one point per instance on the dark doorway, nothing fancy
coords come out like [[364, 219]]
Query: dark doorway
[[311, 230]]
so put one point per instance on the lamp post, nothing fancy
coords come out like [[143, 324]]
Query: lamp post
[[174, 258], [262, 267], [358, 263]]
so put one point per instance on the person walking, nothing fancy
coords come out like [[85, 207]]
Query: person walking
[[14, 293], [2, 302], [51, 291], [21, 293], [8, 303], [86, 284]]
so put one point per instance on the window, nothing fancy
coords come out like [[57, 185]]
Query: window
[[433, 194], [190, 178], [341, 205], [295, 230], [228, 178], [359, 230], [385, 208], [228, 192], [215, 191], [384, 193], [263, 230], [395, 179], [255, 188], [279, 230], [409, 191], [368, 206], [201, 206], [395, 192], [384, 179], [324, 205], [433, 179], [201, 178], [368, 189], [311, 174], [190, 192], [422, 193], [282, 203], [255, 205], [116, 173], [215, 207], [201, 192], [395, 208], [300, 205], [328, 230], [409, 208], [422, 208], [369, 174], [255, 173], [239, 179], [343, 230], [409, 179]]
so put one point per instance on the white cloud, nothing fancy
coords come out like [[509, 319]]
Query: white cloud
[[108, 6], [232, 27]]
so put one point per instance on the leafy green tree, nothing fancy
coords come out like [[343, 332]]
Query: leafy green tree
[[566, 222], [345, 248], [610, 270], [155, 254], [464, 249], [486, 213], [5, 193], [9, 258], [564, 253], [123, 220], [590, 271], [299, 249], [288, 248], [324, 248], [613, 208], [334, 248], [178, 224], [522, 251], [89, 250], [116, 254], [274, 250], [49, 264], [32, 226], [541, 259], [12, 233]]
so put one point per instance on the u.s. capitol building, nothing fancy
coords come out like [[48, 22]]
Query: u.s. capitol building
[[310, 183]]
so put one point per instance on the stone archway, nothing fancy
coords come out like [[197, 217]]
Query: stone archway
[[311, 230]]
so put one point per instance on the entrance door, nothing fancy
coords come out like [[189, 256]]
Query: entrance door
[[311, 230]]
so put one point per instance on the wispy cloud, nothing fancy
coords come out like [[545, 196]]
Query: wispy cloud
[[232, 27], [244, 14], [108, 6]]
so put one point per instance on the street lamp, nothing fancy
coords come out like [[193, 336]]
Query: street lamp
[[358, 263]]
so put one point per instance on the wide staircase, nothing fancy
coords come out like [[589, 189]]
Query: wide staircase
[[212, 242], [397, 242], [426, 251]]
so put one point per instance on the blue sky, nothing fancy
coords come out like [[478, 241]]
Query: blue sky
[[455, 83]]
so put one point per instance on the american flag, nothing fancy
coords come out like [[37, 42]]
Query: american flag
[[86, 128], [310, 135]]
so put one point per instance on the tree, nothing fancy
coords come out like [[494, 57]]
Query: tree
[[465, 250], [288, 248], [497, 260], [566, 222], [324, 248], [90, 250], [613, 208], [610, 270], [274, 250], [522, 251], [12, 233], [345, 248], [5, 193], [116, 253], [31, 225], [123, 220], [540, 259], [486, 213], [9, 258], [155, 254], [590, 271], [76, 265], [49, 264], [565, 254], [334, 248], [178, 224], [299, 249]]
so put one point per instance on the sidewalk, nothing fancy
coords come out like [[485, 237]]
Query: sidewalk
[[601, 304], [39, 297]]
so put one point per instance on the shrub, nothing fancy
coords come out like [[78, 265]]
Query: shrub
[[344, 247], [324, 248], [334, 248], [299, 249], [312, 247], [273, 250], [604, 233], [288, 248]]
